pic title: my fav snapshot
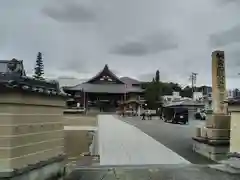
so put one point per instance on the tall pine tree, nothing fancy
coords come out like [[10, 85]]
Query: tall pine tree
[[157, 77], [39, 67]]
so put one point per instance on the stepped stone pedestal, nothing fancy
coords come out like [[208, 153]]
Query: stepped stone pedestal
[[31, 134], [212, 140]]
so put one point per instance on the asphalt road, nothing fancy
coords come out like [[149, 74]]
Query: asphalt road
[[174, 136]]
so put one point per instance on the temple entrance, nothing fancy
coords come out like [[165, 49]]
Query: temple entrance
[[103, 102], [104, 92]]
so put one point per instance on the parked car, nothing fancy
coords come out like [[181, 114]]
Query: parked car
[[176, 115], [180, 116], [200, 115]]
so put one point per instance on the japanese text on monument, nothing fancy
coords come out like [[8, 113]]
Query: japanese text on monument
[[220, 71]]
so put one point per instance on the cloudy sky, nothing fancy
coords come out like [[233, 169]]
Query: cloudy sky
[[134, 37]]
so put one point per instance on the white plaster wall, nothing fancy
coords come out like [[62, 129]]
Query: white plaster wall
[[123, 144]]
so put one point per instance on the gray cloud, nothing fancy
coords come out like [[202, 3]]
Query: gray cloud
[[131, 49], [76, 66], [150, 44], [146, 77], [232, 59], [135, 37], [225, 2], [69, 11], [225, 37]]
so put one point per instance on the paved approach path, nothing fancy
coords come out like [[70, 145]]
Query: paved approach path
[[174, 136], [121, 143]]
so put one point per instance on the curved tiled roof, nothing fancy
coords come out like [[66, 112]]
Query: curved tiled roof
[[12, 83], [129, 81], [105, 70], [105, 88], [118, 86]]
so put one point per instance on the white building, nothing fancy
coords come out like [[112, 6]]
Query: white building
[[175, 97], [197, 96], [170, 98]]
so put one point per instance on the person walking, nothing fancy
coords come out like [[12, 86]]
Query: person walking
[[143, 115], [139, 111], [149, 114]]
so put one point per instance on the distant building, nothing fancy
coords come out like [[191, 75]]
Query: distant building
[[105, 91], [230, 94], [170, 98], [204, 89], [197, 96], [176, 94], [175, 97]]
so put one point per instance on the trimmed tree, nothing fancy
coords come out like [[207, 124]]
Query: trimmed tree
[[39, 67]]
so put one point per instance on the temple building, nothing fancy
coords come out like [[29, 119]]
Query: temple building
[[104, 92]]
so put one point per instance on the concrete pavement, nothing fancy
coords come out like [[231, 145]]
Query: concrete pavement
[[123, 144], [174, 136]]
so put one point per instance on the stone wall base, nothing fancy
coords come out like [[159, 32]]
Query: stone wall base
[[215, 153], [51, 169], [213, 134], [218, 121]]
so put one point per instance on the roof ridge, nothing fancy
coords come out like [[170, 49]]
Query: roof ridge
[[100, 72]]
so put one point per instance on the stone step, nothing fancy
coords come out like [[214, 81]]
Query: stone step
[[212, 152], [211, 133]]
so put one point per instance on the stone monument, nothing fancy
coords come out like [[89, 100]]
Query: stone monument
[[212, 140]]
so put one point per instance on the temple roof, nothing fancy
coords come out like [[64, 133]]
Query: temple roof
[[106, 82], [104, 88], [184, 103], [129, 81], [103, 73]]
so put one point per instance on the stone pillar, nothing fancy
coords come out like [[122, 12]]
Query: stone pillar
[[219, 119], [31, 132], [213, 141], [218, 83]]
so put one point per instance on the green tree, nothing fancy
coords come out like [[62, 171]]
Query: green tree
[[153, 94], [186, 92], [166, 89], [150, 95], [39, 67], [175, 87], [157, 77]]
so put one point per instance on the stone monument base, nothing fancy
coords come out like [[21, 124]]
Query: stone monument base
[[213, 140], [215, 150], [218, 121]]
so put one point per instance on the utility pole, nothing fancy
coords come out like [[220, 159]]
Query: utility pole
[[193, 79]]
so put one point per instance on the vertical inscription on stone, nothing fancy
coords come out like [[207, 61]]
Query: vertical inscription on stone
[[220, 71], [219, 82]]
